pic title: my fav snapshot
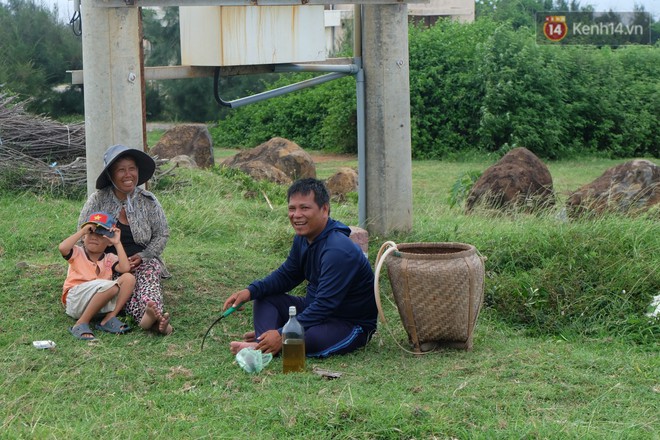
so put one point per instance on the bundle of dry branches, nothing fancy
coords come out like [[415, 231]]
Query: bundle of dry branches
[[28, 173], [38, 136], [25, 172], [37, 153]]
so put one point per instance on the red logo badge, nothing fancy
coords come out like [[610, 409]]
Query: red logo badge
[[554, 27]]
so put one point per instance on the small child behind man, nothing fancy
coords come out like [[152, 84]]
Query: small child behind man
[[89, 288]]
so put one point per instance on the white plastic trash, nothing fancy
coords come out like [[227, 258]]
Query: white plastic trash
[[43, 344]]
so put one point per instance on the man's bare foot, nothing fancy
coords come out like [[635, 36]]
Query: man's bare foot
[[249, 337], [236, 346], [150, 317], [164, 326]]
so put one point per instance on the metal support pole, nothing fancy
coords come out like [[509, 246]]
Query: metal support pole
[[361, 139], [276, 92]]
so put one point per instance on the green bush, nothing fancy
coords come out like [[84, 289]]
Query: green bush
[[461, 188], [322, 117], [445, 87], [524, 95], [484, 86], [613, 95]]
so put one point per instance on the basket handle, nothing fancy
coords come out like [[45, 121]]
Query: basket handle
[[380, 258]]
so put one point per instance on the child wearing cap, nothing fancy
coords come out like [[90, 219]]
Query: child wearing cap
[[89, 288]]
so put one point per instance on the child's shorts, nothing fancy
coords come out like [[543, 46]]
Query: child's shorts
[[79, 297]]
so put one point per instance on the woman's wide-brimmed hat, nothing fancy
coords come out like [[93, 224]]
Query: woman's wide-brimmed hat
[[146, 165]]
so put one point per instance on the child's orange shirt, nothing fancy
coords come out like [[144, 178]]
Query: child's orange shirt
[[82, 269]]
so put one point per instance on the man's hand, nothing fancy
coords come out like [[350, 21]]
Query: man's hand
[[236, 299], [270, 342]]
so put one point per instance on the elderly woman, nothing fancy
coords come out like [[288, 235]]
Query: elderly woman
[[144, 229]]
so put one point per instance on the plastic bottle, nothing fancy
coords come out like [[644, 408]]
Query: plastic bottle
[[293, 344]]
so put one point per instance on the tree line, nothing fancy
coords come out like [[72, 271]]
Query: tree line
[[36, 50]]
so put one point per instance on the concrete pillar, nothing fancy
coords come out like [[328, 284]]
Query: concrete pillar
[[387, 107], [114, 107]]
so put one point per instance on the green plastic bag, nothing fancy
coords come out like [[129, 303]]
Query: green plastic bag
[[253, 361]]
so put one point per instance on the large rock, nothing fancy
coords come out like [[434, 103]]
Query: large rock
[[191, 140], [278, 160], [519, 180], [630, 188], [360, 237], [260, 170], [345, 180]]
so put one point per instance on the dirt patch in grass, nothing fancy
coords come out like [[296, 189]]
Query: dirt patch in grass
[[320, 157]]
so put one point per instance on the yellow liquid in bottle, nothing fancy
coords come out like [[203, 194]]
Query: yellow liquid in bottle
[[293, 355]]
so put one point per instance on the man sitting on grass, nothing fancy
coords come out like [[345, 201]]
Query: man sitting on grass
[[339, 310]]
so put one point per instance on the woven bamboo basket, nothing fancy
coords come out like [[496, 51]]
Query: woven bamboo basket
[[438, 289]]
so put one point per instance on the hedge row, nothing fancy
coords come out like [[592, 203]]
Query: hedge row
[[484, 87]]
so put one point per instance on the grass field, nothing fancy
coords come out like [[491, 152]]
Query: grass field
[[569, 384]]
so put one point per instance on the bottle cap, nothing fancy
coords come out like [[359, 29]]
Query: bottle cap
[[292, 310]]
